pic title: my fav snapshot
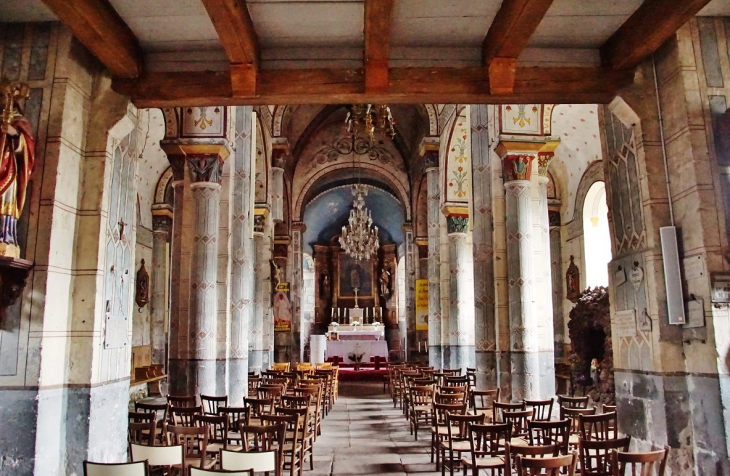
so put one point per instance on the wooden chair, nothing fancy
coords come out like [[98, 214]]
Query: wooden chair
[[598, 427], [281, 366], [499, 408], [595, 456], [264, 439], [209, 472], [608, 408], [488, 445], [306, 434], [211, 404], [439, 430], [217, 431], [142, 428], [420, 399], [236, 416], [471, 374], [556, 466], [159, 408], [643, 464], [182, 400], [194, 440], [253, 386], [291, 453], [259, 462], [482, 401], [519, 420], [315, 394], [164, 457], [449, 398], [458, 440], [543, 409], [565, 401], [555, 433], [532, 451], [116, 469], [572, 414], [456, 381], [259, 407], [183, 416]]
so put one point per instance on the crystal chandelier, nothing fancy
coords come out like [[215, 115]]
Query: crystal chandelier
[[369, 119], [359, 238]]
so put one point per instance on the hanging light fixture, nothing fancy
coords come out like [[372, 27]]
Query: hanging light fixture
[[359, 238], [369, 119]]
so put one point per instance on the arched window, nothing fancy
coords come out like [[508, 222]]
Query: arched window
[[596, 236]]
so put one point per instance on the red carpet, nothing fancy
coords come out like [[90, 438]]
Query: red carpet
[[362, 375]]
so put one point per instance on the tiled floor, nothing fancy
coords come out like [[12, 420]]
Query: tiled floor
[[364, 435]]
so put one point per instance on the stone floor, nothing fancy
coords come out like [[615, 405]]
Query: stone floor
[[364, 435]]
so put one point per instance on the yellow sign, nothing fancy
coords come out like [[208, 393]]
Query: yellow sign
[[422, 304]]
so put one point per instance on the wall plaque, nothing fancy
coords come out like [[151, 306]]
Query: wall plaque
[[625, 323], [694, 267], [720, 287], [695, 314]]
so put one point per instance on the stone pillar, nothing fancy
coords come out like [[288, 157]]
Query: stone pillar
[[277, 194], [206, 377], [433, 197], [411, 257], [295, 262], [261, 272], [544, 285], [524, 357], [241, 256], [459, 351], [161, 227]]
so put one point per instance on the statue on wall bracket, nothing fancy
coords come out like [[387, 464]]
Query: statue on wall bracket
[[572, 281]]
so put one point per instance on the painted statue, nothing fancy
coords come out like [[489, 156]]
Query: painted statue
[[326, 288], [572, 281], [385, 283], [17, 149]]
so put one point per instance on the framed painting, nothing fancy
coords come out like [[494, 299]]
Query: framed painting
[[353, 273]]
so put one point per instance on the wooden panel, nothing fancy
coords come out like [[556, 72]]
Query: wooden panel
[[512, 28], [377, 43]]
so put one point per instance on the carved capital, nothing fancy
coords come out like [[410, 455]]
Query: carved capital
[[206, 168], [517, 167], [457, 223], [161, 221], [430, 159], [543, 161]]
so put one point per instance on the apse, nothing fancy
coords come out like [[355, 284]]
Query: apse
[[327, 213]]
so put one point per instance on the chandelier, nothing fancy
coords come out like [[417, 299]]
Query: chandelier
[[369, 119], [359, 238]]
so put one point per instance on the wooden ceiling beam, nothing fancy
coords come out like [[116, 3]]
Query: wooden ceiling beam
[[347, 86], [653, 23], [237, 35], [98, 27], [377, 44], [511, 30]]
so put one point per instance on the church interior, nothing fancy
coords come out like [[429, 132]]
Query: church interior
[[236, 201]]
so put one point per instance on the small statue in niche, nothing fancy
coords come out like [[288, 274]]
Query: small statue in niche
[[276, 275], [326, 289], [385, 283], [572, 281], [142, 296], [595, 371]]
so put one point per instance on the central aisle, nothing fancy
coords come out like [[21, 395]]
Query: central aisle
[[364, 434]]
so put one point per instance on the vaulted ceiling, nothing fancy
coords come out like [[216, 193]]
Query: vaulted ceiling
[[205, 52]]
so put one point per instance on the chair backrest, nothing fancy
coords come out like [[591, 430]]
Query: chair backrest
[[282, 366], [183, 416], [598, 427], [451, 372], [208, 472], [211, 404], [532, 451], [595, 456], [450, 398], [421, 395], [543, 409], [236, 416], [159, 408], [258, 438], [482, 400], [572, 414], [500, 407], [565, 401], [456, 381], [140, 431], [297, 401], [440, 410], [608, 408], [182, 400], [487, 441], [650, 463], [193, 439], [157, 455], [116, 469], [217, 427], [458, 425], [555, 466], [305, 416], [258, 461], [550, 433], [519, 420], [259, 406]]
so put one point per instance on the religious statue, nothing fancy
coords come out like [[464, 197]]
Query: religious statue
[[17, 155], [572, 281], [385, 283], [595, 371], [326, 289], [142, 296], [276, 276]]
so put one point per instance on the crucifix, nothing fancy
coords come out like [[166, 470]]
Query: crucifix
[[121, 229], [356, 305]]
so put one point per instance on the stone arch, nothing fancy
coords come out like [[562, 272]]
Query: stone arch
[[433, 119], [163, 184]]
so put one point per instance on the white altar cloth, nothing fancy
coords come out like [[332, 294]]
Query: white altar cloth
[[369, 348]]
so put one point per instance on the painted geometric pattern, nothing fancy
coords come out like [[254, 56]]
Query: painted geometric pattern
[[458, 166]]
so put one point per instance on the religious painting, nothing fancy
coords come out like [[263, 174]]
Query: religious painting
[[422, 304], [282, 309], [355, 274]]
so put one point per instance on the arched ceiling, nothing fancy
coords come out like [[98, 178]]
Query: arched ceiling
[[327, 213]]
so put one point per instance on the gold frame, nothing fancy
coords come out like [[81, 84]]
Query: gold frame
[[373, 281]]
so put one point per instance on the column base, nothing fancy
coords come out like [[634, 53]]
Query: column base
[[525, 375], [435, 356], [237, 381], [196, 377], [459, 357], [486, 365], [256, 360], [547, 374]]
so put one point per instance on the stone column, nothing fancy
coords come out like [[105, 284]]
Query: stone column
[[161, 227], [206, 376], [433, 197], [411, 256], [459, 351], [295, 262], [277, 193], [241, 256], [261, 272], [545, 291], [523, 323]]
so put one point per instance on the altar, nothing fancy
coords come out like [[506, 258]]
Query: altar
[[346, 341]]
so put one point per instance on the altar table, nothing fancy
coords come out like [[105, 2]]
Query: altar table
[[369, 348]]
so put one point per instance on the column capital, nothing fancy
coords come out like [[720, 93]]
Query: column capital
[[543, 161], [204, 158], [299, 225], [517, 167], [280, 152], [162, 218], [457, 218], [430, 160], [259, 219], [205, 169]]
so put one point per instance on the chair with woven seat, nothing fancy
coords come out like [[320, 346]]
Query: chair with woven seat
[[182, 400], [457, 442], [236, 416], [160, 409], [488, 445], [649, 463], [314, 393], [565, 401], [211, 404], [482, 401], [306, 433], [263, 439], [253, 386], [572, 414], [210, 472], [598, 427], [164, 457], [550, 433], [194, 440], [519, 419], [596, 456], [116, 469], [555, 466], [142, 428], [439, 431], [292, 450], [183, 416], [542, 409], [420, 399], [498, 409], [259, 407], [217, 432]]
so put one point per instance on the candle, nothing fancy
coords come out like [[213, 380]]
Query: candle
[[333, 312]]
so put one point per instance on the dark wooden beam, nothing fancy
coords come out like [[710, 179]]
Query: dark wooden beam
[[238, 37], [98, 26], [377, 44], [508, 35], [347, 86], [653, 23]]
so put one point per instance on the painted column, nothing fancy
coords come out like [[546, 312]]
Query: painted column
[[483, 247], [206, 376], [261, 268], [525, 364], [241, 256], [433, 197], [277, 193], [411, 256], [161, 227], [459, 350], [296, 280], [545, 291]]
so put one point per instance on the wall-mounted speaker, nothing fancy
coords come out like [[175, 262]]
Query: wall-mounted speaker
[[672, 275]]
